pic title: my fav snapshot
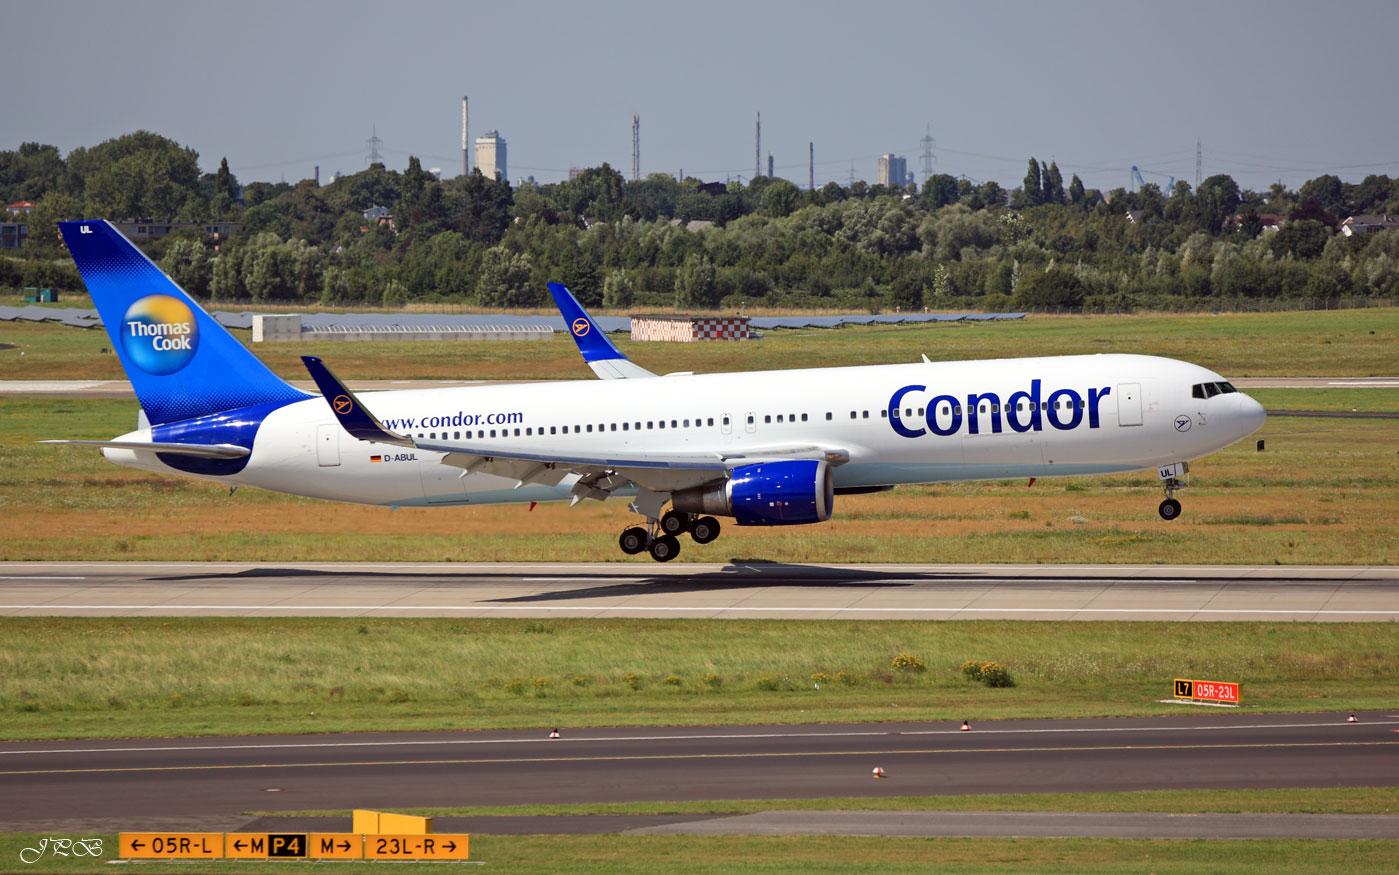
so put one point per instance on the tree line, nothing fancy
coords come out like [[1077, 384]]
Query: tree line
[[661, 241]]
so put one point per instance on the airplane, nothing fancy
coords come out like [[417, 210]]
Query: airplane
[[771, 448]]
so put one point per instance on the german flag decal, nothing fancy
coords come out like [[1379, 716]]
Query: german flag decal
[[376, 458]]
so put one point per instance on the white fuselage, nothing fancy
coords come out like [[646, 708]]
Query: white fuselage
[[1125, 413]]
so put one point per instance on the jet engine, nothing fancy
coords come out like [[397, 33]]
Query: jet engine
[[784, 493]]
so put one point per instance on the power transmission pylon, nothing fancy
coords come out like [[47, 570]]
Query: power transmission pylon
[[374, 143], [928, 143]]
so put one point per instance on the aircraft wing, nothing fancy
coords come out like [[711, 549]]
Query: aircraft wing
[[597, 475], [601, 354]]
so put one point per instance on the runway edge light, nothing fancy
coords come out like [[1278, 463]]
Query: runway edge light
[[966, 726], [878, 772], [1351, 719]]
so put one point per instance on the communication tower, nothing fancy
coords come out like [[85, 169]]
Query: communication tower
[[635, 147], [1199, 162]]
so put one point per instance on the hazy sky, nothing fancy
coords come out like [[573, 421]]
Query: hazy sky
[[1274, 90]]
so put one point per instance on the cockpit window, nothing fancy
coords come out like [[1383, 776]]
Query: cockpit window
[[1209, 390]]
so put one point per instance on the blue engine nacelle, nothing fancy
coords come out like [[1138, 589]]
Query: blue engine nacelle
[[786, 493]]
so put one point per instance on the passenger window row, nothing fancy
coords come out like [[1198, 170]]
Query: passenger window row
[[701, 422]]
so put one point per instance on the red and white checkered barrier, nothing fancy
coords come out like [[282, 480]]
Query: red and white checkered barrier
[[684, 329]]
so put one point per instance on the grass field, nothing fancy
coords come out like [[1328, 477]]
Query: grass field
[[1289, 800], [90, 677], [1319, 343], [1324, 492], [803, 854]]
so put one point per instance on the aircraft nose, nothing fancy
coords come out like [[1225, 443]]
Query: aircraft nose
[[1251, 414]]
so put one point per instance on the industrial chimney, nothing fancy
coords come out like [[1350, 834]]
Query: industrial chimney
[[465, 159]]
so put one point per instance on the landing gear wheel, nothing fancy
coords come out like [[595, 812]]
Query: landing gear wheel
[[704, 530], [633, 540], [1169, 509], [675, 523], [665, 548]]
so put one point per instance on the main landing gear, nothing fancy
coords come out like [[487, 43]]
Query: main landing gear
[[1172, 478], [660, 536]]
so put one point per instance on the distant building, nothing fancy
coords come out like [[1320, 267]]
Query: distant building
[[20, 208], [1267, 221], [379, 216], [1366, 224], [490, 156], [156, 230], [13, 234], [893, 171]]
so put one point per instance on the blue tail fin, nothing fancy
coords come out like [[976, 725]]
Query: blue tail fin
[[601, 354], [181, 362]]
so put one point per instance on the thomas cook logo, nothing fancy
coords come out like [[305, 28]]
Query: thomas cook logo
[[159, 334], [581, 327]]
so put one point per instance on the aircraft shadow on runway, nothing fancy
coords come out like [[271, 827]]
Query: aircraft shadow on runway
[[744, 573]]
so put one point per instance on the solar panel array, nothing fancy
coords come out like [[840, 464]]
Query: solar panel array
[[64, 315], [406, 322]]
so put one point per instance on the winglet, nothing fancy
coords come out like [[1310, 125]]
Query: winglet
[[354, 417], [601, 354]]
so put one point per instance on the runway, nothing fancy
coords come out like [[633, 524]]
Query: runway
[[212, 782], [735, 590]]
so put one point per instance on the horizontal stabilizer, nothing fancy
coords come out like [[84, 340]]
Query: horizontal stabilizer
[[203, 451]]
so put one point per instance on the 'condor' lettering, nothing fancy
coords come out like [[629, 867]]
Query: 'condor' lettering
[[1023, 410]]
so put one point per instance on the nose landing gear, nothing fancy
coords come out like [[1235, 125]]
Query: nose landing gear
[[1172, 478]]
